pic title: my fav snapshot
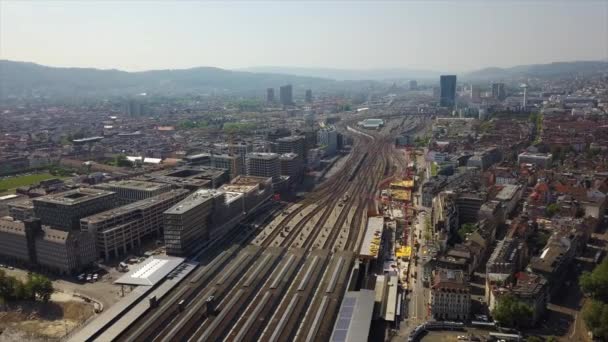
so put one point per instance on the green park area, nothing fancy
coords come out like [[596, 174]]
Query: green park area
[[8, 184]]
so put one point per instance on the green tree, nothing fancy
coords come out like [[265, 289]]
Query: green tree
[[534, 339], [122, 161], [40, 287], [595, 316], [466, 229], [596, 283], [552, 209], [511, 312]]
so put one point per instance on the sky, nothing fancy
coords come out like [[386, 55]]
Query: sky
[[455, 35]]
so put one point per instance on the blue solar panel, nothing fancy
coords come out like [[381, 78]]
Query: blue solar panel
[[344, 318]]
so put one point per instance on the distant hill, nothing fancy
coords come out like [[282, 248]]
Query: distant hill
[[29, 79], [350, 74], [21, 79], [557, 69]]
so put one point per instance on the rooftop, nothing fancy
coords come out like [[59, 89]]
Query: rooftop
[[198, 197], [446, 279], [133, 184], [355, 317], [291, 138], [75, 196], [288, 156], [151, 271], [373, 236], [263, 155], [139, 205], [507, 192]]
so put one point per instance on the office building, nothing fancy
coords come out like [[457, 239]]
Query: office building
[[186, 224], [119, 230], [286, 95], [203, 159], [450, 295], [33, 245], [486, 158], [231, 163], [292, 165], [308, 96], [64, 210], [413, 85], [189, 177], [240, 149], [475, 93], [256, 190], [264, 165], [447, 95], [21, 210], [270, 95], [328, 137], [498, 91], [291, 144], [540, 160], [129, 191], [134, 107]]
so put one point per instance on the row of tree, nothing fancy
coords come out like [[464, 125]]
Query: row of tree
[[595, 284], [36, 287]]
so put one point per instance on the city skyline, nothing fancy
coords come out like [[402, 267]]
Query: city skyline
[[438, 36]]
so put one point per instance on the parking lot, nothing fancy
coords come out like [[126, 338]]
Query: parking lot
[[452, 336], [102, 290]]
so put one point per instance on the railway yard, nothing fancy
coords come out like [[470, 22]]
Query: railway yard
[[280, 278]]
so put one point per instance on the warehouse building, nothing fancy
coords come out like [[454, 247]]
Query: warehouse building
[[118, 230]]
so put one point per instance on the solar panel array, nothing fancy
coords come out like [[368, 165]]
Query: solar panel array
[[344, 319]]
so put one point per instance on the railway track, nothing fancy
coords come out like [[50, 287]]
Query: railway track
[[292, 273]]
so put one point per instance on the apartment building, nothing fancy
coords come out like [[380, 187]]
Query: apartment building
[[450, 295]]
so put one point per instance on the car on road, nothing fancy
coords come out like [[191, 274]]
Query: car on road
[[462, 338]]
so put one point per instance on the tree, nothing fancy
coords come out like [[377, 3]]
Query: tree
[[511, 312], [466, 229], [552, 209], [595, 283], [41, 287], [596, 317], [122, 161], [534, 339]]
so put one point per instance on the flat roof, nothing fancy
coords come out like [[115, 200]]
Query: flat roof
[[139, 205], [406, 183], [198, 197], [263, 155], [401, 195], [373, 237], [150, 271], [355, 317], [507, 192], [133, 184], [74, 196]]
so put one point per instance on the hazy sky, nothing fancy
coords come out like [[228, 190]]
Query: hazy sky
[[440, 35]]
